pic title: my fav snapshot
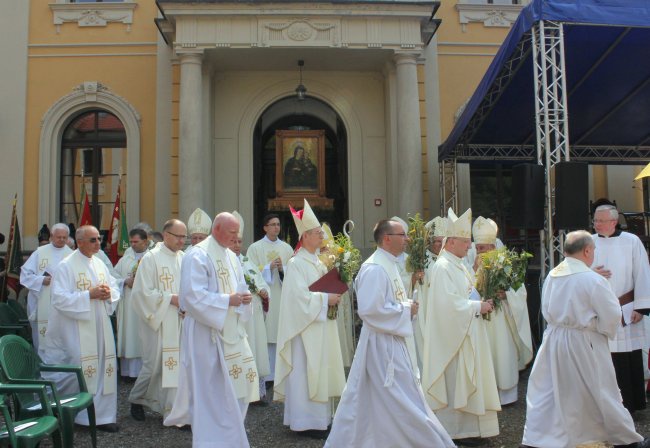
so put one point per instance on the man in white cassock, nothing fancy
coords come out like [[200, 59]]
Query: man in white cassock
[[458, 374], [129, 347], [36, 275], [270, 255], [218, 376], [199, 225], [409, 279], [156, 304], [255, 328], [508, 329], [438, 229], [572, 394], [79, 331], [309, 367], [623, 261], [383, 403]]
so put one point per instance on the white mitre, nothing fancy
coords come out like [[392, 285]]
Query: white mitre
[[459, 227], [304, 219], [239, 217], [199, 222], [439, 224], [485, 231], [402, 222]]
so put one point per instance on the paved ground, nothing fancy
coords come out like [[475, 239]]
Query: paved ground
[[265, 429]]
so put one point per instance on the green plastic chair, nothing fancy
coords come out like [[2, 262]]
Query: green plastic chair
[[18, 310], [10, 322], [28, 433], [21, 365]]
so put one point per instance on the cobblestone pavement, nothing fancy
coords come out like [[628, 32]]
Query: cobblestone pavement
[[265, 429]]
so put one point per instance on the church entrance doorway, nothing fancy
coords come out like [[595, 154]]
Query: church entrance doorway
[[291, 114]]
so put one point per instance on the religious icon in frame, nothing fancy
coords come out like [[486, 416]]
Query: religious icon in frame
[[300, 167]]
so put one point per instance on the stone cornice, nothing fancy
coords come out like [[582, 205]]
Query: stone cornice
[[491, 15], [92, 14]]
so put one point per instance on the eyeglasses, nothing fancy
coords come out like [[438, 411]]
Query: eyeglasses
[[95, 239], [403, 235], [177, 236], [603, 221], [316, 232]]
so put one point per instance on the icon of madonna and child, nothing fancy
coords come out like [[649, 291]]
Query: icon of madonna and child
[[300, 171]]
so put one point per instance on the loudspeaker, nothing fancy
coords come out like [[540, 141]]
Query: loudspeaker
[[571, 196], [527, 196]]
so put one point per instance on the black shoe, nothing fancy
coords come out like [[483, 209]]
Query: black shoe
[[261, 403], [643, 444], [137, 412], [269, 385], [317, 434], [109, 427], [185, 428], [470, 441]]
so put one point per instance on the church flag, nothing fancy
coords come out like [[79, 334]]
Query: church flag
[[86, 218], [124, 233], [114, 230], [13, 259]]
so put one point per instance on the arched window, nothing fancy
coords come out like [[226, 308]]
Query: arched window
[[93, 155]]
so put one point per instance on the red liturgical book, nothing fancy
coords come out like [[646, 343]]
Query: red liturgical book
[[330, 283]]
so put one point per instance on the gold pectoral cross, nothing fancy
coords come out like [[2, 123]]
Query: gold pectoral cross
[[166, 278], [83, 283], [224, 276]]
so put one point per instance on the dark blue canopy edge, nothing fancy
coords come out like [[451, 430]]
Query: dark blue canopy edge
[[607, 60]]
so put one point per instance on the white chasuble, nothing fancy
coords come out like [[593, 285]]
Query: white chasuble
[[158, 278], [573, 398], [261, 253], [382, 381], [458, 374], [236, 351], [128, 323], [309, 367], [42, 262], [391, 268]]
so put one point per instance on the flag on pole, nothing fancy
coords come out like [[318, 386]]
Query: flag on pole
[[124, 233], [13, 259], [114, 230], [86, 218]]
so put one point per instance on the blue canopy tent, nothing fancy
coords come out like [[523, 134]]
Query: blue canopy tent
[[570, 82]]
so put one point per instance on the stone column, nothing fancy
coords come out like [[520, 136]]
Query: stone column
[[409, 146], [190, 155]]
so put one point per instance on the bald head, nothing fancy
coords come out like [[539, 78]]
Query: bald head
[[580, 245], [88, 240], [225, 229]]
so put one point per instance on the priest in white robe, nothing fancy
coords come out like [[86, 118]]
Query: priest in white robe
[[84, 295], [198, 226], [623, 261], [309, 367], [383, 403], [508, 329], [218, 376], [458, 374], [270, 255], [36, 275], [129, 346], [156, 304], [255, 327], [573, 398]]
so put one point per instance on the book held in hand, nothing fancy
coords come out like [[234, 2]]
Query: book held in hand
[[329, 283]]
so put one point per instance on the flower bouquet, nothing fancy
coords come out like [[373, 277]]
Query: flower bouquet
[[339, 253], [418, 243], [500, 270]]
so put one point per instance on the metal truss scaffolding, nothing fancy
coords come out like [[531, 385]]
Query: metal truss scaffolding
[[552, 127], [448, 186]]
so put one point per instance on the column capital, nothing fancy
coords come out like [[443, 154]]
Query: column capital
[[190, 57], [406, 57]]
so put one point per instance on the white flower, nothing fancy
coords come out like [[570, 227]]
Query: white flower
[[346, 256]]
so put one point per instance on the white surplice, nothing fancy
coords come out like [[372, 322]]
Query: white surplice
[[309, 364], [627, 259], [43, 260], [573, 397], [63, 345], [158, 278], [261, 253], [129, 346], [458, 375], [383, 404], [510, 342], [206, 397]]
